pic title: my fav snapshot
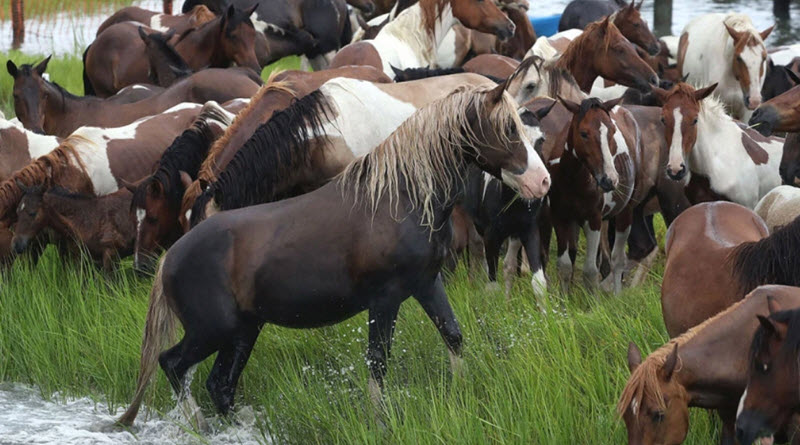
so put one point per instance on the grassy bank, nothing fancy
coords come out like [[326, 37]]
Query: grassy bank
[[39, 8]]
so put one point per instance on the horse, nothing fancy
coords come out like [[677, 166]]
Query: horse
[[790, 161], [778, 114], [303, 146], [166, 65], [725, 160], [704, 367], [97, 160], [47, 107], [386, 232], [727, 50], [117, 57], [779, 207], [103, 225], [778, 80], [770, 398], [312, 28], [411, 40], [580, 13], [157, 199], [179, 23], [498, 215]]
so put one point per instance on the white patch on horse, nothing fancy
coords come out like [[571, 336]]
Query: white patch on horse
[[188, 215], [756, 67], [140, 214], [741, 403], [155, 23], [676, 148], [635, 406], [590, 269], [539, 283], [138, 86], [608, 159], [487, 178], [21, 206]]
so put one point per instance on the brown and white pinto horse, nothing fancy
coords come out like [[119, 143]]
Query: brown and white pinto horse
[[723, 159], [411, 40], [47, 107], [117, 57], [706, 367], [179, 23], [727, 50]]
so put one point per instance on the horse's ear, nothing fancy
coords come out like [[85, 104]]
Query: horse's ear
[[792, 75], [22, 186], [660, 95], [767, 325], [773, 305], [143, 35], [605, 22], [702, 93], [610, 104], [203, 184], [735, 35], [361, 22], [186, 180], [542, 112], [251, 11], [129, 185], [42, 66], [230, 12], [169, 35], [496, 94], [570, 105], [639, 6], [634, 357], [685, 78], [765, 33], [12, 68], [155, 188], [670, 364]]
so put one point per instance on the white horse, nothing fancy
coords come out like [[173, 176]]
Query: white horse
[[728, 50]]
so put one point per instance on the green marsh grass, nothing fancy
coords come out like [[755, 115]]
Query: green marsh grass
[[529, 378]]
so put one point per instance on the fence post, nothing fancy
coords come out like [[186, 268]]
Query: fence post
[[167, 6], [17, 23], [662, 17], [780, 8]]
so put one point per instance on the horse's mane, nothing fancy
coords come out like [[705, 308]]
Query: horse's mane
[[791, 343], [41, 171], [419, 159], [185, 154], [742, 23], [578, 51], [63, 192], [201, 14], [276, 150], [409, 74], [644, 380], [431, 11], [168, 51], [771, 260], [557, 76]]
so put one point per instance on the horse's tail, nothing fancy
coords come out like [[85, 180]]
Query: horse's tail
[[159, 328], [88, 90]]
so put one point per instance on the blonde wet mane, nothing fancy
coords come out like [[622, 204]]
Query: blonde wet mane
[[644, 382], [420, 158], [742, 23]]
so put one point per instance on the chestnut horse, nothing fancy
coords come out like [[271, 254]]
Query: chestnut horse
[[725, 161], [117, 57], [377, 242], [47, 107], [705, 367], [771, 400], [411, 40], [727, 50], [102, 225], [306, 144], [779, 114], [179, 23]]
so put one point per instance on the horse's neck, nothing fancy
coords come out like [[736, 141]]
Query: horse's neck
[[62, 109], [199, 47], [582, 70], [409, 28], [67, 216]]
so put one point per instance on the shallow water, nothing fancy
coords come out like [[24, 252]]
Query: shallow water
[[27, 418], [69, 34]]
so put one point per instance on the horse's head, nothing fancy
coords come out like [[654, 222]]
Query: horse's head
[[771, 397], [613, 56], [591, 138], [483, 16], [631, 24], [654, 406], [680, 111], [790, 160], [525, 83], [31, 219], [365, 6], [503, 148], [778, 80], [781, 113], [29, 87], [204, 205], [238, 37], [749, 63]]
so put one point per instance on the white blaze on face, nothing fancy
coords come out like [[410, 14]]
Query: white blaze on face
[[635, 407], [741, 403], [676, 148], [534, 182], [140, 213], [752, 57], [608, 159]]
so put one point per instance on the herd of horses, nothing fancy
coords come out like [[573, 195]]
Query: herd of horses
[[428, 129]]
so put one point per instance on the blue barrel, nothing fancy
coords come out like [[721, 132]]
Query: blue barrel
[[545, 26]]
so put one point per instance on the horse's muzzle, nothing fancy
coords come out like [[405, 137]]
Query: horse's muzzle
[[605, 183], [677, 176], [654, 48], [505, 31], [19, 244], [752, 427], [763, 119]]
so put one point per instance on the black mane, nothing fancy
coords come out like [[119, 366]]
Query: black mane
[[410, 74], [772, 260], [276, 149], [792, 342]]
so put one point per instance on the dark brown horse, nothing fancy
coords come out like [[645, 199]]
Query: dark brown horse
[[179, 23], [778, 114], [382, 242], [117, 57], [771, 399], [101, 225], [705, 367], [46, 107], [166, 65]]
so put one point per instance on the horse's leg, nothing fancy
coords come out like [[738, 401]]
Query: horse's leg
[[492, 243], [176, 363], [382, 317], [622, 229], [531, 241], [642, 246], [564, 232], [477, 252], [511, 263], [591, 229], [545, 233], [727, 435], [228, 367], [434, 302]]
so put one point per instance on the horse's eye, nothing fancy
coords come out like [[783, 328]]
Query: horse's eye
[[694, 122], [151, 219], [635, 25], [663, 121], [763, 368], [32, 214], [658, 417], [584, 135], [530, 86], [739, 58]]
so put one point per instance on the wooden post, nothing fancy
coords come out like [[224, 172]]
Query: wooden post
[[167, 6], [17, 23], [780, 8], [662, 17]]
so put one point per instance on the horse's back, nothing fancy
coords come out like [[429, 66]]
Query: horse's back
[[779, 207], [580, 13]]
